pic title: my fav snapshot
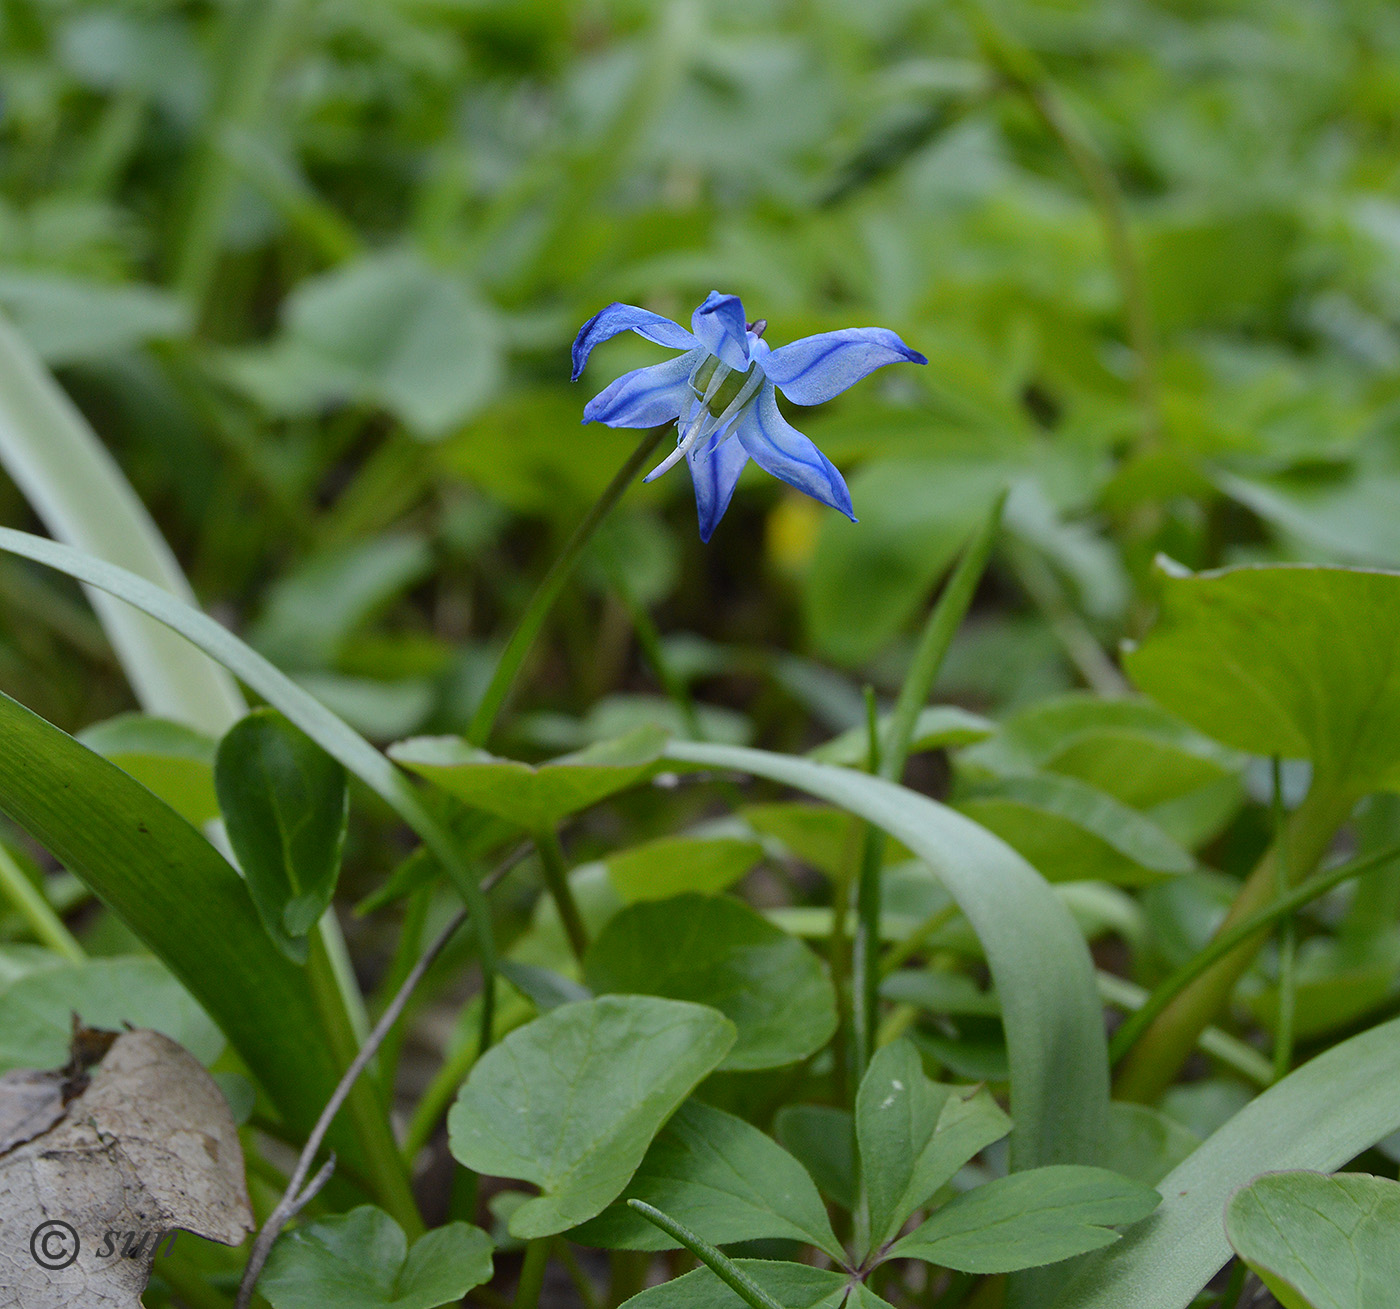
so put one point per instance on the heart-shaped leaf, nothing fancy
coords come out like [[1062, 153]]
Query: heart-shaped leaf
[[361, 1260], [1320, 1242], [285, 802], [914, 1134], [720, 952], [722, 1178], [572, 1101], [535, 796], [1028, 1219]]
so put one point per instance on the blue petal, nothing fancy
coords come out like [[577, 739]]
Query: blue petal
[[646, 396], [814, 369], [782, 450], [715, 472], [720, 327], [607, 323]]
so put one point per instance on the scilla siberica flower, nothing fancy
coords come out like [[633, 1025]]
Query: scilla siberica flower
[[720, 393]]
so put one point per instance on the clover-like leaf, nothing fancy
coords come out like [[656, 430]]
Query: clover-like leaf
[[720, 952], [722, 1178], [362, 1260], [535, 796], [572, 1100]]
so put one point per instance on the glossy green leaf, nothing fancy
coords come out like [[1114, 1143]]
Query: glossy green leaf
[[1040, 965], [722, 1178], [166, 757], [1289, 660], [36, 1011], [1029, 1219], [937, 727], [572, 1101], [535, 796], [285, 803], [794, 1286], [1069, 831], [672, 865], [823, 1138], [362, 1260], [717, 951], [914, 1135], [1320, 1242], [1319, 1117]]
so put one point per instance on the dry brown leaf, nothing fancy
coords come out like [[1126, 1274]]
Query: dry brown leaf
[[148, 1147]]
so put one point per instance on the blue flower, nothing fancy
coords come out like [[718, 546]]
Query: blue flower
[[721, 395]]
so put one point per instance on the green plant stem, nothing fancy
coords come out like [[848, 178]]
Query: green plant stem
[[532, 1271], [1288, 939], [865, 975], [29, 902], [578, 1275], [1238, 938], [721, 1265], [523, 638], [1023, 72], [902, 951], [556, 877]]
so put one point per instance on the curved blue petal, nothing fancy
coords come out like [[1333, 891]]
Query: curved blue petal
[[715, 472], [607, 323], [719, 326], [815, 368], [782, 450], [646, 396]]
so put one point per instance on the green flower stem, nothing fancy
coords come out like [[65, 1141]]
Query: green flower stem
[[523, 638], [721, 1265], [556, 876], [1183, 1004], [532, 1271], [46, 925], [893, 753]]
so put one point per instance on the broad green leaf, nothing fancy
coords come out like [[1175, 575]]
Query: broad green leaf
[[535, 796], [1070, 831], [572, 1101], [362, 1260], [914, 1135], [36, 1011], [936, 728], [285, 803], [166, 757], [174, 890], [1039, 962], [1029, 1219], [823, 1138], [794, 1286], [1320, 1242], [1320, 1116], [723, 1179], [718, 951], [672, 865], [1290, 660]]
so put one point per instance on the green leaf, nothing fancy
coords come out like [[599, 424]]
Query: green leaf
[[1040, 966], [940, 992], [1289, 660], [68, 320], [795, 1286], [823, 1138], [718, 951], [1320, 1242], [166, 757], [36, 1011], [722, 1178], [361, 1260], [1144, 1143], [1319, 1117], [572, 1101], [672, 865], [174, 890], [936, 728], [814, 834], [285, 803], [914, 1135], [1071, 832], [1029, 1219], [535, 796]]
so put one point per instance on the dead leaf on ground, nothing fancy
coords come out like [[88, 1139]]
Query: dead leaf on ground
[[147, 1148]]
